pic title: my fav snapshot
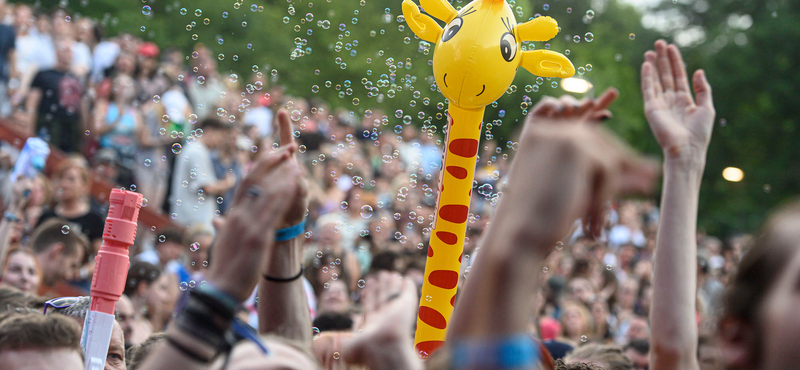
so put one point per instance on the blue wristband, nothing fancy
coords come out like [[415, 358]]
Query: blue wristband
[[514, 352], [290, 232]]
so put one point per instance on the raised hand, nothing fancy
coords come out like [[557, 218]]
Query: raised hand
[[260, 205], [386, 340], [297, 211], [567, 107], [681, 124], [566, 170]]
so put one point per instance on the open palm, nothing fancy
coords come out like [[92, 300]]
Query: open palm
[[681, 124]]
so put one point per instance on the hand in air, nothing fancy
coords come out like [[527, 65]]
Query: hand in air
[[681, 123]]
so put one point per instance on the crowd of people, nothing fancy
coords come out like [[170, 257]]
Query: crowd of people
[[325, 216]]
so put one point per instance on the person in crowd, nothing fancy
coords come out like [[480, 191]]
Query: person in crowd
[[59, 255], [334, 298], [168, 254], [139, 353], [21, 270], [205, 95], [638, 351], [7, 42], [577, 322], [150, 292], [77, 308], [33, 341], [118, 125], [125, 316], [54, 102], [73, 203], [195, 185], [151, 81], [198, 240]]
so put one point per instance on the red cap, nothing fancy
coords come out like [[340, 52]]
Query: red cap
[[148, 49]]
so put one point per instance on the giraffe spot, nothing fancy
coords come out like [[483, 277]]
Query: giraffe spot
[[464, 147], [430, 251], [455, 213], [432, 317], [457, 172], [459, 257], [447, 237], [453, 301], [426, 348], [443, 279]]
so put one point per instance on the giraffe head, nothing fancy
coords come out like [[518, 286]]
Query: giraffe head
[[478, 52]]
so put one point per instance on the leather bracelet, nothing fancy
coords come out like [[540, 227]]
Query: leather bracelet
[[285, 280]]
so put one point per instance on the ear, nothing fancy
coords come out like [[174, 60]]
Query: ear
[[538, 29], [546, 63], [56, 249], [736, 341], [439, 9], [422, 25]]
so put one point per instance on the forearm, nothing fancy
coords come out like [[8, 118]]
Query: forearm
[[672, 316], [217, 188], [495, 300], [282, 307]]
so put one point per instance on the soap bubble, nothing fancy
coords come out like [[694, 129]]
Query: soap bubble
[[176, 148], [65, 229], [366, 211]]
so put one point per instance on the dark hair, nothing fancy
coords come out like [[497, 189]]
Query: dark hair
[[641, 346], [172, 235], [50, 232], [213, 124], [384, 261], [761, 267], [333, 322], [137, 354], [36, 331], [140, 272]]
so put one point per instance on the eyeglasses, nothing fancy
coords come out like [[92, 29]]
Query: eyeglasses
[[60, 303]]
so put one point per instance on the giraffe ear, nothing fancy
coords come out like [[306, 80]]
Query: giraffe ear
[[538, 29], [547, 63], [439, 9], [422, 25]]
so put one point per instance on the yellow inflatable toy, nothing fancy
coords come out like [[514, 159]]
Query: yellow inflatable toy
[[476, 58]]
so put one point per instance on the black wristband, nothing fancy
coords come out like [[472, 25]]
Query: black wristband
[[186, 351], [285, 280]]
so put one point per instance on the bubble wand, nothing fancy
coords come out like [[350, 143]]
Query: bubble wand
[[111, 271], [476, 58]]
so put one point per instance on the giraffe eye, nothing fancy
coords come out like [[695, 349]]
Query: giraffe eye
[[452, 29], [508, 46]]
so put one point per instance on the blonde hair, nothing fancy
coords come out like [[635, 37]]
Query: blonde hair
[[78, 162], [583, 311]]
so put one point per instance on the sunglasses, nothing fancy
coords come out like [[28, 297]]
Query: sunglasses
[[60, 303]]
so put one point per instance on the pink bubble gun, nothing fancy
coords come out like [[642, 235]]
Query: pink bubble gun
[[110, 273]]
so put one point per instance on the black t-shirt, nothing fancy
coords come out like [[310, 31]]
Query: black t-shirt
[[59, 109], [6, 45], [61, 94], [90, 224]]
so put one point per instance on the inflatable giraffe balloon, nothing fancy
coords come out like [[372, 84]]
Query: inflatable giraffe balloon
[[475, 60]]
